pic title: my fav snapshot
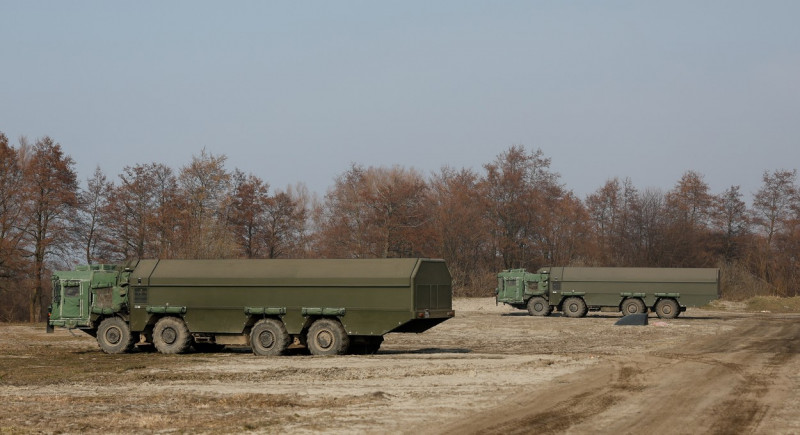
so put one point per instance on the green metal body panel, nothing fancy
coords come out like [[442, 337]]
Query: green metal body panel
[[82, 295], [608, 286], [369, 297], [516, 286]]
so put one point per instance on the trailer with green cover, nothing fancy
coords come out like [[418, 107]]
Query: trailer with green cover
[[331, 307], [632, 290]]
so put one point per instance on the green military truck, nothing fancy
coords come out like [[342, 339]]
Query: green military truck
[[576, 290], [330, 306]]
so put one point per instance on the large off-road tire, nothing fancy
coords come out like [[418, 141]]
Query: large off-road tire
[[171, 335], [269, 338], [327, 337], [114, 336], [633, 306], [667, 308], [574, 307], [538, 306]]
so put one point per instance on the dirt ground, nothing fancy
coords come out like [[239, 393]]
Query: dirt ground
[[489, 370]]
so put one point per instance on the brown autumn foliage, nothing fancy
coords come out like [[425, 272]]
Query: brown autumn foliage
[[375, 213], [515, 212]]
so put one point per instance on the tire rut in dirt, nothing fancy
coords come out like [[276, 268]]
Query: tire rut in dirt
[[580, 398], [559, 417], [746, 408]]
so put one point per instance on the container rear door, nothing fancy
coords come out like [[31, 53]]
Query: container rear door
[[433, 297]]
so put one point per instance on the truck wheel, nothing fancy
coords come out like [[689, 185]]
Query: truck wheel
[[327, 337], [574, 307], [538, 306], [633, 306], [667, 309], [269, 337], [171, 335], [114, 336]]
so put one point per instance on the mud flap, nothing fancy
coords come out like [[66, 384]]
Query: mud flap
[[639, 319]]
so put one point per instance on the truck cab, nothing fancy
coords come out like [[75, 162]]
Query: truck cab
[[516, 286], [83, 295]]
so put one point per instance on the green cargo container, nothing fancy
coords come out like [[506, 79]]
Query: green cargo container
[[330, 306], [576, 290]]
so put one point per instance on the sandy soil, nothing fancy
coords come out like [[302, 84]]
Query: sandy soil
[[489, 370]]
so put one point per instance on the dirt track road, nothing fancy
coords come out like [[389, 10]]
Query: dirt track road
[[489, 370], [743, 380]]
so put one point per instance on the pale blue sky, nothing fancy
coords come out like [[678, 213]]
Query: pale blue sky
[[296, 91]]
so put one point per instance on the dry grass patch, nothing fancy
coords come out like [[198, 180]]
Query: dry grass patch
[[774, 304]]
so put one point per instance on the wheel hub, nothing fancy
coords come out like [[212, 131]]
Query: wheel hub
[[169, 335], [266, 339], [325, 339], [113, 335]]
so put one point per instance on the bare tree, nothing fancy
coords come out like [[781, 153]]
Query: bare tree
[[462, 229], [773, 204], [343, 219], [13, 210], [374, 213], [14, 221], [53, 186], [566, 231], [688, 210], [285, 225], [90, 229], [144, 212], [605, 208], [775, 211], [248, 206], [519, 186], [205, 187], [730, 220]]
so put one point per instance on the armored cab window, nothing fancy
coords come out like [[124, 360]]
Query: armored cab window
[[72, 289]]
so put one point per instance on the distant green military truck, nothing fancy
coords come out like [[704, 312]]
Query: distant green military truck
[[576, 290], [330, 306]]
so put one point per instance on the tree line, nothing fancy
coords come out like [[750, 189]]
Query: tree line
[[513, 213]]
